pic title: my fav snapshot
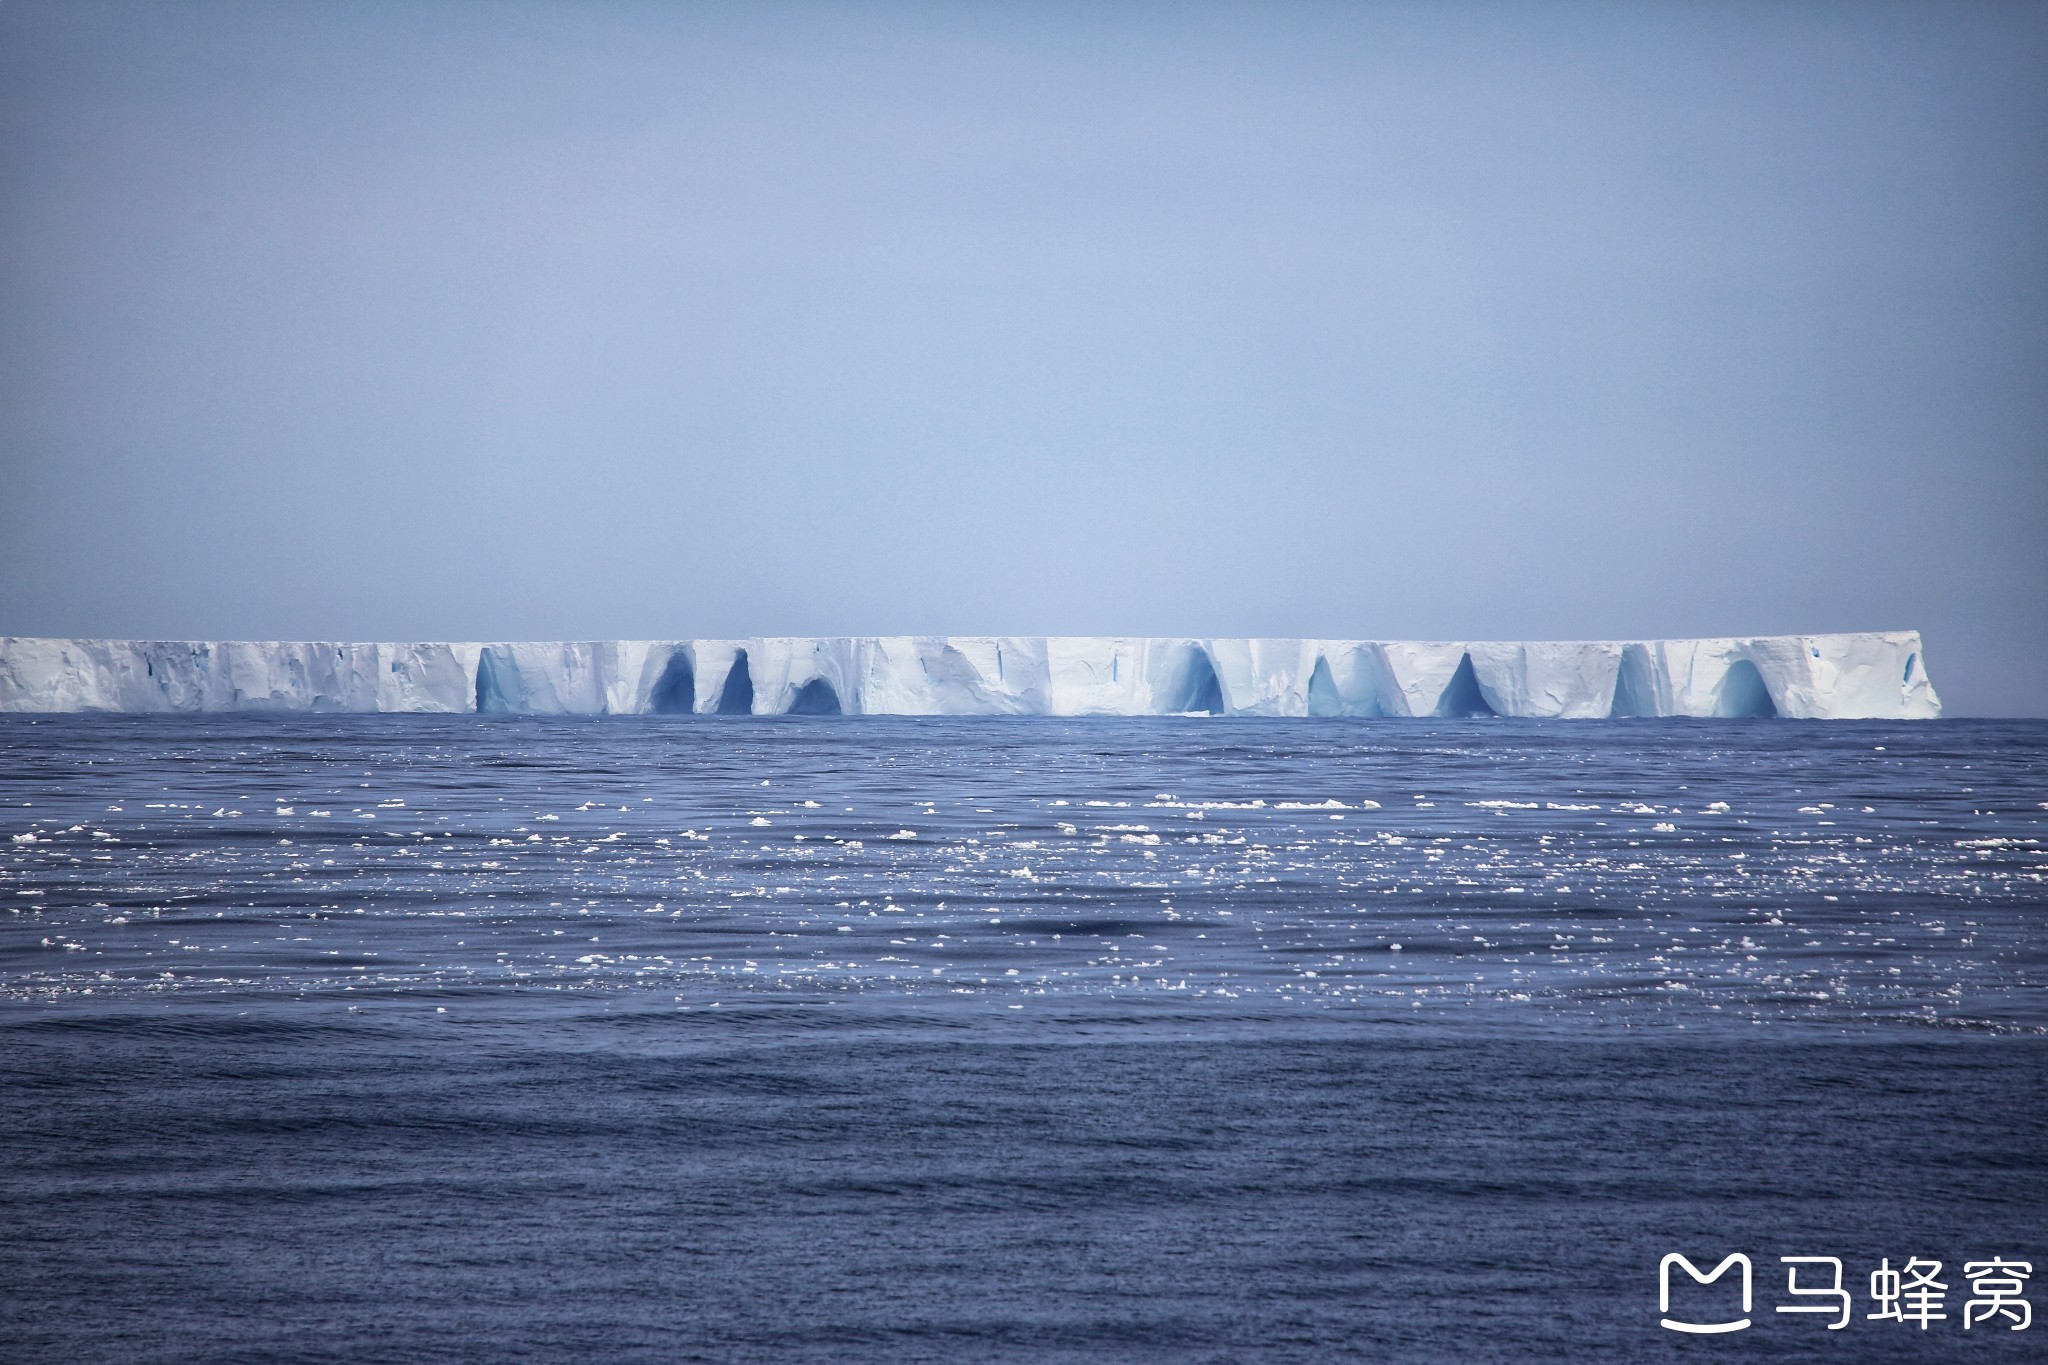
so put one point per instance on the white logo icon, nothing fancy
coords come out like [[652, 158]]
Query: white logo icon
[[1664, 1292]]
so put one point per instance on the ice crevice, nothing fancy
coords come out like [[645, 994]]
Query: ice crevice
[[675, 691], [736, 697], [1872, 675]]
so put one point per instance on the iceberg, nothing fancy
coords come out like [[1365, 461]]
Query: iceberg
[[1876, 675]]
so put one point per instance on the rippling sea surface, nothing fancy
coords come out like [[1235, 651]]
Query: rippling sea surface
[[477, 1037]]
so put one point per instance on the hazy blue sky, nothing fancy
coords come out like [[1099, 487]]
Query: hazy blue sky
[[505, 321]]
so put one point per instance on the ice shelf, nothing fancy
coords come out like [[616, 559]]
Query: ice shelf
[[1881, 675]]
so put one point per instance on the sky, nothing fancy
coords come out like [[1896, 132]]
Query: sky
[[507, 321]]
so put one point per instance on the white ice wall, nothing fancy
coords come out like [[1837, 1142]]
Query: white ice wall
[[1876, 675]]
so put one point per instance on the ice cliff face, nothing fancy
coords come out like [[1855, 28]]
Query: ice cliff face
[[1802, 676]]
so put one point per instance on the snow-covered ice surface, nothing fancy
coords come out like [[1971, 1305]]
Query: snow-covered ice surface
[[1869, 676]]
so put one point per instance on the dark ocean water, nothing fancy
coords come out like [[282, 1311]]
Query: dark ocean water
[[479, 1038]]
